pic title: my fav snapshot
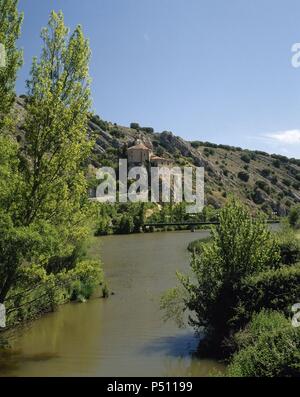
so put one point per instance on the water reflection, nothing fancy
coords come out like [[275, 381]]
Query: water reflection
[[123, 335]]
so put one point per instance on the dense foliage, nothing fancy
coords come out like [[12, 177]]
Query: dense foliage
[[269, 346], [44, 206], [245, 281], [240, 247], [10, 28]]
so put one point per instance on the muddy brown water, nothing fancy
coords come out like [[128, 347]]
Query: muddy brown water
[[124, 335]]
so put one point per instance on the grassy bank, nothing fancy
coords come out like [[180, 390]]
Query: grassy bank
[[40, 289]]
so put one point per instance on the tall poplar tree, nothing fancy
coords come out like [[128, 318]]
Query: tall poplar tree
[[48, 213], [10, 27]]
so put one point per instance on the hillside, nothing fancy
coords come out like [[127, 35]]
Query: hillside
[[270, 182]]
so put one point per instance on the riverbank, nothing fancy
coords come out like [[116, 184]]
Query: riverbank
[[41, 291], [124, 335]]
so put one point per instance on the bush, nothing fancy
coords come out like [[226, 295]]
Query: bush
[[273, 179], [258, 196], [104, 125], [196, 246], [246, 158], [276, 289], [294, 216], [196, 144], [270, 347], [261, 153], [37, 292], [286, 182], [126, 225], [289, 246], [263, 186], [283, 159], [208, 152], [135, 126], [244, 176], [117, 133], [148, 130], [241, 246], [276, 163], [87, 276], [296, 185], [265, 172]]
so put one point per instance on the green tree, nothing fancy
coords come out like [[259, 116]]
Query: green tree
[[126, 225], [241, 246], [10, 26], [45, 211], [294, 216], [269, 346]]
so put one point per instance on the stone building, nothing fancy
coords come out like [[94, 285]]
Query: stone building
[[140, 154], [157, 161]]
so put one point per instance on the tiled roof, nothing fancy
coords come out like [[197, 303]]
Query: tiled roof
[[139, 146], [159, 158]]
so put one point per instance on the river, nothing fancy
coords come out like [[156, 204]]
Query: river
[[125, 334]]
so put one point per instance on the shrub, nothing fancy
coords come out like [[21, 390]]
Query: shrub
[[117, 133], [261, 153], [126, 225], [246, 158], [289, 246], [87, 275], [294, 216], [286, 182], [196, 246], [273, 179], [104, 125], [240, 246], [135, 126], [296, 185], [37, 292], [244, 176], [208, 151], [276, 289], [282, 159], [196, 144], [263, 186], [148, 130], [276, 163], [270, 347], [258, 196], [265, 172], [288, 202]]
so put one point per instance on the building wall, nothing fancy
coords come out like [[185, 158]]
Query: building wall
[[160, 163], [138, 156]]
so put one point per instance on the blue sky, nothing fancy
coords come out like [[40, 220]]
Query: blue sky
[[210, 70]]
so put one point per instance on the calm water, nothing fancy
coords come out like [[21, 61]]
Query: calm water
[[125, 334]]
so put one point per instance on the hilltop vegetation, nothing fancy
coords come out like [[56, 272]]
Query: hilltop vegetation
[[270, 182]]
